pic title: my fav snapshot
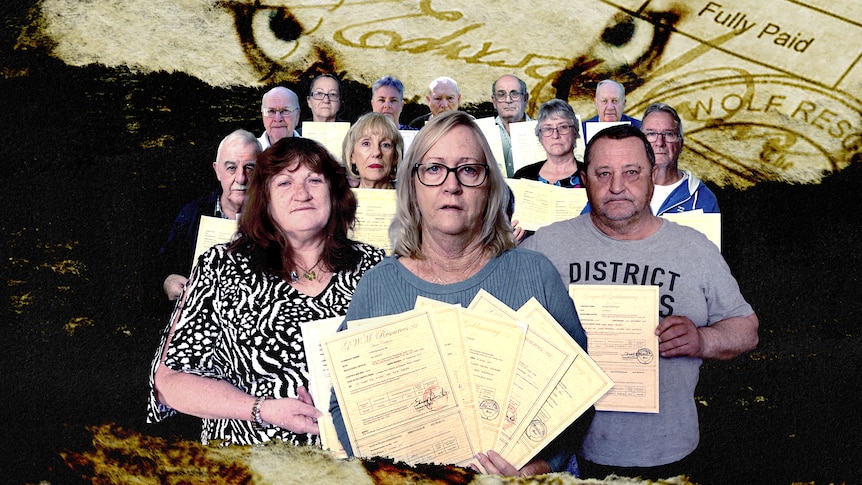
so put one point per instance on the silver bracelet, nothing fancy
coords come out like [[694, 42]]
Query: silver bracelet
[[257, 422]]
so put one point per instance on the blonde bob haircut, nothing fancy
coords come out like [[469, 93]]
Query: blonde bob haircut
[[372, 124], [406, 229]]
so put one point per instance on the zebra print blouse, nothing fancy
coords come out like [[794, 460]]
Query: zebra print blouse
[[242, 325]]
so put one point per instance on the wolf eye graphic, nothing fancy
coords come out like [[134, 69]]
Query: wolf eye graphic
[[627, 50], [277, 43]]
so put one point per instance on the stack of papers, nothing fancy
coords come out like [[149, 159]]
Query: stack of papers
[[440, 383]]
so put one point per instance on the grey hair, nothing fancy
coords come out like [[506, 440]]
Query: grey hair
[[663, 108], [559, 108]]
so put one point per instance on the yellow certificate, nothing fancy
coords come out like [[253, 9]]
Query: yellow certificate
[[319, 379], [395, 394], [538, 204], [580, 386], [212, 231], [620, 321], [374, 212], [329, 134]]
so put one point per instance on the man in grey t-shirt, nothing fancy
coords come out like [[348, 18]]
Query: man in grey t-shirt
[[701, 311]]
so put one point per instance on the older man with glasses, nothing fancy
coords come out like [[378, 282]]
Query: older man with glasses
[[675, 190], [509, 97], [280, 110]]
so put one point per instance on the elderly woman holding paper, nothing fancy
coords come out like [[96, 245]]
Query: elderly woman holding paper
[[233, 352], [557, 129], [372, 150], [451, 237]]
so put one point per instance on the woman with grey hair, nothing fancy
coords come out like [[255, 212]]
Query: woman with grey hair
[[557, 129], [451, 238]]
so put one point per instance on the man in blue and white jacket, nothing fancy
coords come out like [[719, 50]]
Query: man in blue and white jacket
[[675, 190]]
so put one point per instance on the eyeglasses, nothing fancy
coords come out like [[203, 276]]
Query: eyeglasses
[[319, 95], [284, 112], [561, 130], [434, 174], [670, 136], [501, 95]]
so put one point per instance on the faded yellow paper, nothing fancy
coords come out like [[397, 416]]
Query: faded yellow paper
[[212, 231], [538, 204], [319, 379], [374, 212], [329, 134], [580, 386], [620, 321], [707, 223], [492, 134], [526, 148], [394, 393]]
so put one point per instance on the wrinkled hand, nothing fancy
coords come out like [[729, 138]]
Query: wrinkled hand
[[495, 464], [174, 286], [678, 337], [519, 232], [297, 415]]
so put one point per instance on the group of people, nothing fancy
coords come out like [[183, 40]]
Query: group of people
[[232, 352]]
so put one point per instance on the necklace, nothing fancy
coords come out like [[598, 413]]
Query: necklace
[[308, 274]]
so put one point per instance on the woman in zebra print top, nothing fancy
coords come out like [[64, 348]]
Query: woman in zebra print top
[[232, 353]]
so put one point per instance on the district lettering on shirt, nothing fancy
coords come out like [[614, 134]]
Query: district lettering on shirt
[[623, 273]]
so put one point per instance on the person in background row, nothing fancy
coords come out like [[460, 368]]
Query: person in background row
[[509, 96], [702, 314], [235, 161], [443, 95], [675, 190], [324, 98], [610, 103], [280, 111], [372, 149], [451, 238], [232, 352], [557, 129], [387, 97]]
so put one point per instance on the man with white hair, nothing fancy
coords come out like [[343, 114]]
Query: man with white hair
[[280, 111], [610, 103], [443, 95], [235, 160]]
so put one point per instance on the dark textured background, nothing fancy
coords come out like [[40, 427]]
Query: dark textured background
[[96, 162]]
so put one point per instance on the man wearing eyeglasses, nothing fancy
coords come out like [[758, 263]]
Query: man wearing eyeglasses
[[509, 97], [280, 111], [675, 190]]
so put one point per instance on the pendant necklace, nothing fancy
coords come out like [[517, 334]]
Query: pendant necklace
[[308, 274]]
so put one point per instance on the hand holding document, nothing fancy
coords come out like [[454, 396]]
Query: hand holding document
[[319, 379], [439, 383], [212, 231], [620, 322], [538, 204]]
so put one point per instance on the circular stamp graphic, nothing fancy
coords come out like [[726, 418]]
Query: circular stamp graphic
[[435, 398], [536, 430], [489, 409], [742, 128], [644, 356], [511, 416]]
